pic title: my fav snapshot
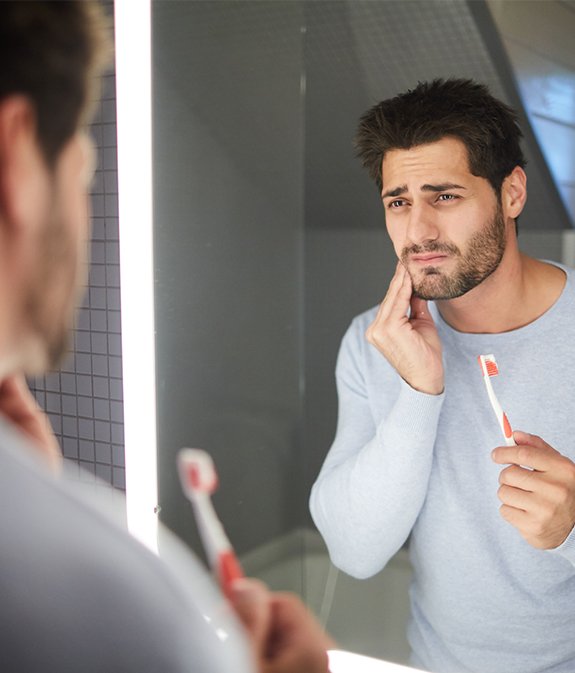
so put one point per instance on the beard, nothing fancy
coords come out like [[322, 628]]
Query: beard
[[51, 296], [484, 253]]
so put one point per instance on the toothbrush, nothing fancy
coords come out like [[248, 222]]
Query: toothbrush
[[488, 369], [199, 480]]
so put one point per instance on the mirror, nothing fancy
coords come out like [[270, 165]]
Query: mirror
[[269, 239]]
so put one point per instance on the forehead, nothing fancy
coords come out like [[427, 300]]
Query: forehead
[[446, 158]]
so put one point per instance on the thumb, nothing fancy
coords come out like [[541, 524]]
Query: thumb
[[523, 438], [419, 309]]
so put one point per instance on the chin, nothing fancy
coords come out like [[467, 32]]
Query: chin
[[430, 295], [435, 286]]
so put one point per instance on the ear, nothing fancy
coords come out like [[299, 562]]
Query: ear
[[514, 193], [23, 171]]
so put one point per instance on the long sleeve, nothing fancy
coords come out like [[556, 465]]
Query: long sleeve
[[405, 463], [374, 480]]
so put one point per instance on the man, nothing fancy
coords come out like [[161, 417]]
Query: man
[[416, 450], [76, 592]]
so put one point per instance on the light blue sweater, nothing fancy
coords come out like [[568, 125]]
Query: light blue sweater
[[482, 599]]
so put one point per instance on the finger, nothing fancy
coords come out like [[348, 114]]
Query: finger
[[251, 601], [293, 618], [298, 643], [389, 304], [517, 477], [515, 516], [405, 291], [396, 301], [516, 498], [419, 309], [524, 438], [526, 455]]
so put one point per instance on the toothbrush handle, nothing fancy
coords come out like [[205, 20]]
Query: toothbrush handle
[[228, 570], [507, 431], [501, 415]]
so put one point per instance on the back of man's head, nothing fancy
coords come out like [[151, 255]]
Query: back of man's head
[[52, 52]]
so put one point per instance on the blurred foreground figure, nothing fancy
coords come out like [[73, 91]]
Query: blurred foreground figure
[[76, 592]]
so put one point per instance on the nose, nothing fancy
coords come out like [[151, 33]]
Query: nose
[[422, 224]]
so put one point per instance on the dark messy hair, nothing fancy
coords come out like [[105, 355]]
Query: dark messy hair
[[52, 52], [458, 108]]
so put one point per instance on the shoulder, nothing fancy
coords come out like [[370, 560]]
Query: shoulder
[[81, 589], [353, 344], [560, 281], [359, 358], [570, 275], [358, 326]]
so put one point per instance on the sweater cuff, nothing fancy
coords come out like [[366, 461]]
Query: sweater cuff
[[417, 411], [567, 548]]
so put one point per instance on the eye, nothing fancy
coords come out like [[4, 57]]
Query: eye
[[447, 197], [396, 203]]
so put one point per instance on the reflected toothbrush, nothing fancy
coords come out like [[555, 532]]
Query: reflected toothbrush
[[488, 369], [199, 480]]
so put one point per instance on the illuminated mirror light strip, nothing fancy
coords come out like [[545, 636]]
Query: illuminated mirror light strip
[[133, 87]]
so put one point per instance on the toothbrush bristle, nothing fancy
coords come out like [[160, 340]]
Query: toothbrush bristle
[[194, 477], [198, 480], [197, 472], [489, 365]]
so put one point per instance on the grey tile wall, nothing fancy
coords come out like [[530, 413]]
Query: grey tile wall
[[84, 400]]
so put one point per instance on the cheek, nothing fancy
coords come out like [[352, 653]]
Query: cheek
[[75, 188], [78, 216], [396, 238]]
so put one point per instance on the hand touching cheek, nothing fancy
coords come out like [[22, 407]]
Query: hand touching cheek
[[405, 334]]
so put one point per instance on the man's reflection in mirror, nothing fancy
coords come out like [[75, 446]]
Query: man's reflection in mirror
[[419, 451]]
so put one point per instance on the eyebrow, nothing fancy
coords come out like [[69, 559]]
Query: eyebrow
[[442, 187]]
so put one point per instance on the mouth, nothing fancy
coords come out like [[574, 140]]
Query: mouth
[[429, 259]]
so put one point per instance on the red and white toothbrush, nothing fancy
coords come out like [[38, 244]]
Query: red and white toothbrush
[[199, 480], [489, 368]]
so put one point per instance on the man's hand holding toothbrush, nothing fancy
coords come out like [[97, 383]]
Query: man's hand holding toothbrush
[[404, 332], [539, 502], [284, 635]]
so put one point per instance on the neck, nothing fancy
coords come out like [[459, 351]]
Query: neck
[[518, 292]]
